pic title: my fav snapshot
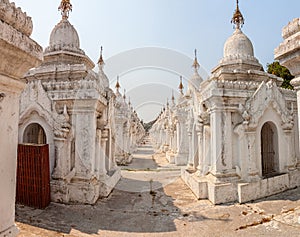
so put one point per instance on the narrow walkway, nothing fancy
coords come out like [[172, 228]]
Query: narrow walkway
[[151, 200], [147, 171]]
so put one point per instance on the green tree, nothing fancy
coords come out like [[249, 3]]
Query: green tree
[[148, 126], [281, 71]]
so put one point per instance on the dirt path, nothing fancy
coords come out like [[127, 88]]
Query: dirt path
[[151, 200]]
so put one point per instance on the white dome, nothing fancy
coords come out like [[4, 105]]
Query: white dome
[[195, 80], [64, 37], [103, 79], [238, 45]]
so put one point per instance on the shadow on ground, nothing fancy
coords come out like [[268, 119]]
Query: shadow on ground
[[143, 159], [148, 211], [135, 212], [154, 201]]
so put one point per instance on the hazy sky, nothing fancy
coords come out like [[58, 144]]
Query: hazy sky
[[178, 25]]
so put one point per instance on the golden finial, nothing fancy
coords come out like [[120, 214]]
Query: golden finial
[[238, 18], [118, 84], [101, 61], [196, 65], [65, 7], [181, 87]]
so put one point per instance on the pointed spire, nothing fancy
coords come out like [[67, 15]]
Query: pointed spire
[[181, 86], [65, 7], [129, 102], [173, 97], [167, 102], [196, 65], [238, 18], [101, 61], [124, 96], [118, 84]]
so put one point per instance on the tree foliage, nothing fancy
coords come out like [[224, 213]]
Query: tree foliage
[[281, 71], [148, 126]]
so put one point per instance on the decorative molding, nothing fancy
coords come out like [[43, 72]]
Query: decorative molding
[[16, 38], [267, 95], [14, 16]]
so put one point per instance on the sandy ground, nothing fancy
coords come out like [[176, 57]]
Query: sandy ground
[[151, 200]]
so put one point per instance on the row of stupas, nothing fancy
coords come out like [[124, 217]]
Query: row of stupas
[[237, 132]]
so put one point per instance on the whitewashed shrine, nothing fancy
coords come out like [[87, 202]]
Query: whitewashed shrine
[[242, 127], [70, 107]]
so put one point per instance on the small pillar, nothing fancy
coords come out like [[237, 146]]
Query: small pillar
[[191, 155], [200, 148]]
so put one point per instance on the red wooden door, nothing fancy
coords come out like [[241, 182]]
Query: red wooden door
[[268, 151], [33, 176]]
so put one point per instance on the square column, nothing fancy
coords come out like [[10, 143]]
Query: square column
[[85, 136], [9, 116], [221, 143], [18, 53], [200, 148], [181, 157]]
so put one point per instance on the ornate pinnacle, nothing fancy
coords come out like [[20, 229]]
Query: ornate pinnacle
[[118, 84], [101, 61], [238, 18], [181, 86], [173, 97], [124, 96], [196, 65], [65, 7]]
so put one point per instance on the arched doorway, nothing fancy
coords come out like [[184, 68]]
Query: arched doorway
[[33, 171], [269, 150], [34, 134]]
